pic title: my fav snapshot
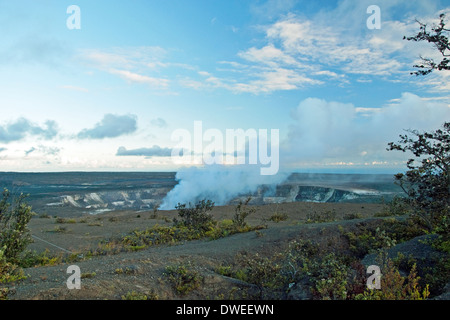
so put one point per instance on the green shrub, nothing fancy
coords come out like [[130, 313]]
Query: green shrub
[[196, 216], [33, 259], [327, 216], [351, 216], [278, 217], [63, 220], [398, 206], [58, 229], [156, 235], [224, 270], [261, 271], [396, 287], [330, 278], [369, 239], [241, 212], [9, 272], [183, 278], [88, 275], [133, 295], [14, 217]]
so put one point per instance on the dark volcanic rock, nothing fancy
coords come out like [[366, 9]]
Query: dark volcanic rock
[[418, 248]]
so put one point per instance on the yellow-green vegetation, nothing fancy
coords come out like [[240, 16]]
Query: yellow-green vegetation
[[368, 240], [133, 295], [351, 216], [328, 275], [396, 287], [126, 270], [183, 278], [315, 217], [9, 273], [14, 217], [333, 270], [381, 234], [398, 206], [35, 259], [95, 224], [64, 220], [241, 212], [278, 217], [58, 229], [88, 275], [196, 223], [439, 275], [14, 237]]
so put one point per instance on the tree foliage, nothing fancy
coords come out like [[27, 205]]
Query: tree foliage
[[427, 181], [438, 36], [196, 216], [14, 217], [14, 237]]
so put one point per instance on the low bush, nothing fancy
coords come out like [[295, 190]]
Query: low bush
[[133, 295], [324, 274], [328, 216], [278, 217], [396, 287], [197, 216], [183, 278], [398, 206], [34, 259], [9, 272], [241, 212], [14, 217]]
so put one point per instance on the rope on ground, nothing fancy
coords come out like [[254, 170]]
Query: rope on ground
[[36, 237]]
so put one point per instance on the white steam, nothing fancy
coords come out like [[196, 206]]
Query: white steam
[[218, 183], [322, 133]]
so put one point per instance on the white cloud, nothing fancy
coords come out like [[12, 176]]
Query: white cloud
[[327, 132], [278, 79], [159, 122], [326, 46], [133, 64], [155, 151], [19, 129], [330, 43], [110, 126], [138, 78], [268, 55], [43, 150]]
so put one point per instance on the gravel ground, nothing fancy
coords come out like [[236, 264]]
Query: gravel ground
[[113, 276]]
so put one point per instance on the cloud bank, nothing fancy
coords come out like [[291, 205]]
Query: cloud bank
[[334, 132], [110, 126], [155, 151], [19, 129]]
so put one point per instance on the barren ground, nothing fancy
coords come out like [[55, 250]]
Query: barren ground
[[147, 266]]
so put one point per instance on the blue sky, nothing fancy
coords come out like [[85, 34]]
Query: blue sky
[[137, 70]]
